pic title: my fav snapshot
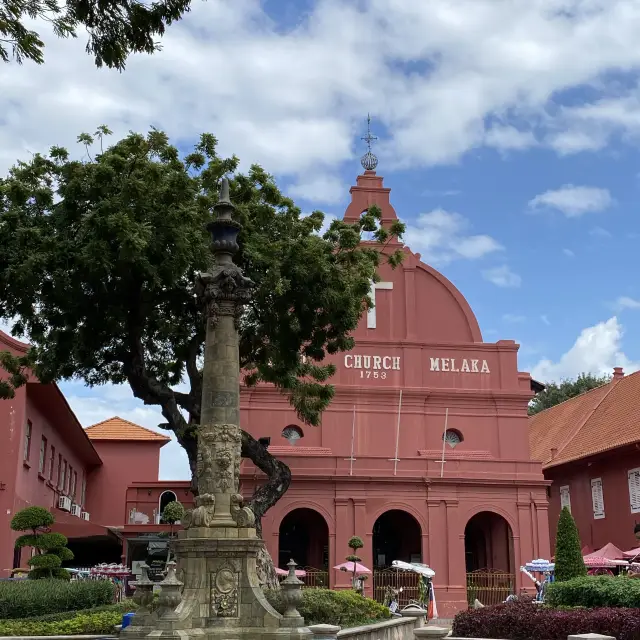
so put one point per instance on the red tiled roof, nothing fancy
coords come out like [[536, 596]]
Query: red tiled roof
[[596, 421], [119, 429]]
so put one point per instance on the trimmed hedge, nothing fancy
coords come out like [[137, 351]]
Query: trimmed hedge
[[28, 598], [324, 606], [79, 624], [523, 621], [594, 591]]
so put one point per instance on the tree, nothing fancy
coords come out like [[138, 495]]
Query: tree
[[172, 513], [555, 393], [355, 543], [569, 561], [98, 262], [17, 367], [116, 28], [51, 548]]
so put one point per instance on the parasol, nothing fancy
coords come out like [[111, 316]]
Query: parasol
[[416, 567], [300, 573], [351, 567]]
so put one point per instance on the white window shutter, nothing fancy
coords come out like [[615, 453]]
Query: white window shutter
[[634, 490], [565, 497], [597, 499]]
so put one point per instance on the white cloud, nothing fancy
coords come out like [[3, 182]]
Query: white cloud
[[294, 99], [442, 236], [624, 302], [569, 253], [97, 404], [502, 277], [546, 320], [573, 201], [513, 318], [599, 232], [597, 350], [318, 188]]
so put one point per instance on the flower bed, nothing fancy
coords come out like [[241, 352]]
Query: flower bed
[[523, 621]]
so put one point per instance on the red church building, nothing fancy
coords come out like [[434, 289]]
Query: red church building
[[469, 501]]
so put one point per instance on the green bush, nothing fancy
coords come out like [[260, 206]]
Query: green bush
[[569, 562], [595, 591], [324, 606], [28, 598], [90, 623], [125, 606]]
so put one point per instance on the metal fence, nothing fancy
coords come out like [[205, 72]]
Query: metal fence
[[315, 578], [489, 586], [405, 580]]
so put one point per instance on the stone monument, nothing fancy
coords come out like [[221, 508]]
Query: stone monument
[[217, 595]]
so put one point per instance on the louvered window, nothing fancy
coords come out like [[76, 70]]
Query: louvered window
[[565, 497], [634, 490], [597, 499]]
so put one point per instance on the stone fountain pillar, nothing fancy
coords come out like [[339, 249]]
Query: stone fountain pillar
[[216, 552]]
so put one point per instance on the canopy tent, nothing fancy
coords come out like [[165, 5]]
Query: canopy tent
[[416, 567], [598, 562], [632, 554], [609, 551]]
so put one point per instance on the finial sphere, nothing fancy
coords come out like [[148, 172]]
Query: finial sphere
[[369, 162]]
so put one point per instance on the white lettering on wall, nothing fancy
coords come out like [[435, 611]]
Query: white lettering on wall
[[372, 366], [456, 365]]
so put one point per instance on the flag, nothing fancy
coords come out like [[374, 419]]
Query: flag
[[432, 609]]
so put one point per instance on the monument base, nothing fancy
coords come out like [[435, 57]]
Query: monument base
[[222, 598]]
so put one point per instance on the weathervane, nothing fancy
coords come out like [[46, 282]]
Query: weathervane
[[369, 161]]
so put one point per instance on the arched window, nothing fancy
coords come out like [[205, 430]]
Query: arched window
[[452, 437], [292, 433], [165, 498]]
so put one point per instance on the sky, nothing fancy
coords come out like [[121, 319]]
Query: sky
[[509, 132]]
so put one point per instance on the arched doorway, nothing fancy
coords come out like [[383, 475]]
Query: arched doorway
[[489, 558], [304, 537], [165, 498], [396, 536]]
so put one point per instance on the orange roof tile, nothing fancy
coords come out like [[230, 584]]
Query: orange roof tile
[[119, 429], [596, 421]]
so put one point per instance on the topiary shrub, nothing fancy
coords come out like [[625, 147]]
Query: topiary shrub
[[354, 543], [324, 606], [523, 621], [568, 558], [594, 591], [28, 598], [172, 513], [51, 548]]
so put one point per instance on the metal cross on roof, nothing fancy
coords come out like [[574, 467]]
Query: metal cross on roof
[[369, 160]]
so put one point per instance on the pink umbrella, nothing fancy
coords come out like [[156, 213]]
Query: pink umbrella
[[351, 566], [300, 573], [592, 561]]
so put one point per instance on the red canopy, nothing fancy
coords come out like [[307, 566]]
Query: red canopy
[[632, 553], [609, 551]]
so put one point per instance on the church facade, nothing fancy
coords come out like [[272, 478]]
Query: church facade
[[423, 452]]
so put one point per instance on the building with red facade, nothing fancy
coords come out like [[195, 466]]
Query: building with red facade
[[375, 469], [589, 447]]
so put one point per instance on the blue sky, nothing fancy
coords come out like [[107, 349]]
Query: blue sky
[[508, 133]]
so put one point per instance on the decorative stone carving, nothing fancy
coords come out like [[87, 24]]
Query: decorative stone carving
[[223, 290], [143, 594], [170, 593], [224, 592], [242, 515], [202, 515], [292, 594]]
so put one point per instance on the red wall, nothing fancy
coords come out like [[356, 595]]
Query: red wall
[[618, 523], [123, 464], [144, 498]]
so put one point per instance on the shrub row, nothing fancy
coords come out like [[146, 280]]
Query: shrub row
[[324, 606], [29, 598], [78, 624], [523, 621], [595, 591]]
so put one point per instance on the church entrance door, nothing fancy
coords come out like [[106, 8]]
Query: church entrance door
[[304, 537], [488, 545], [396, 536]]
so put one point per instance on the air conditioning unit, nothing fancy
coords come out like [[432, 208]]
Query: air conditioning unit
[[85, 515], [76, 510], [64, 503]]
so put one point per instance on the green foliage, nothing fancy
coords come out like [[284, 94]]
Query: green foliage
[[595, 591], [173, 512], [555, 393], [28, 598], [122, 607], [32, 519], [98, 260], [568, 555], [89, 623], [50, 547], [324, 606], [16, 366], [355, 542], [115, 30]]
